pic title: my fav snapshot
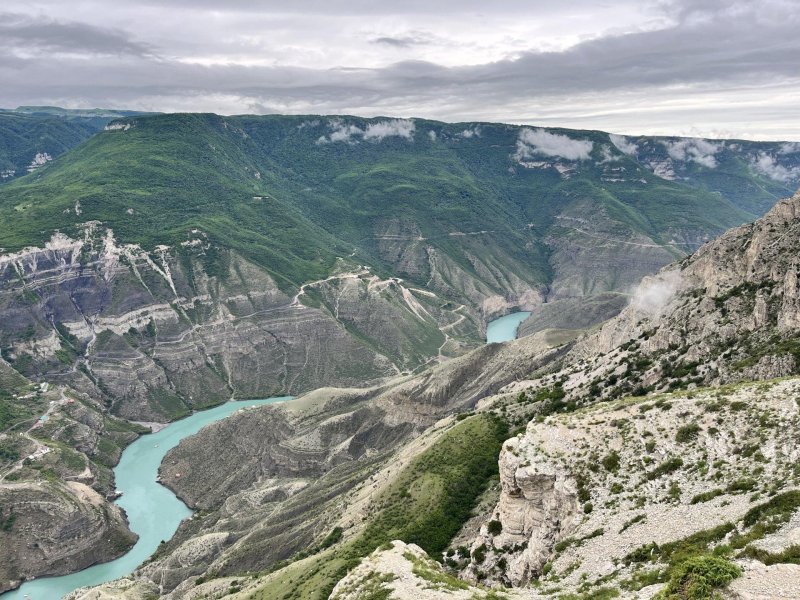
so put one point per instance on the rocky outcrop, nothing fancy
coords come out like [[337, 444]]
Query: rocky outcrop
[[54, 529], [406, 572], [599, 493], [538, 507]]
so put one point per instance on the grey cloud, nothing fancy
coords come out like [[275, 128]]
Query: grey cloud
[[703, 51], [28, 33], [345, 132], [353, 7], [694, 150], [767, 165], [623, 144], [537, 141], [727, 47], [403, 128], [400, 42]]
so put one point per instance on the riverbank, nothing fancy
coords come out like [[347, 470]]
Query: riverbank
[[153, 511]]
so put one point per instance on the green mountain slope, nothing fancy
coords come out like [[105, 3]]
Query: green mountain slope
[[291, 193], [27, 142], [32, 136]]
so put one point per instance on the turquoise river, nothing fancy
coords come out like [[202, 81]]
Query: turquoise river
[[154, 512], [505, 328]]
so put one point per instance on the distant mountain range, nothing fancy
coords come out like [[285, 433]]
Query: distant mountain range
[[404, 236], [292, 193]]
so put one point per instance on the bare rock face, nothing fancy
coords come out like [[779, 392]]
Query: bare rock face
[[650, 474], [574, 313], [538, 507], [730, 312], [157, 334], [56, 529]]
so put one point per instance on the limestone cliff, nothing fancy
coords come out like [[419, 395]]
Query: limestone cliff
[[538, 507], [615, 495], [158, 334], [57, 448], [729, 312]]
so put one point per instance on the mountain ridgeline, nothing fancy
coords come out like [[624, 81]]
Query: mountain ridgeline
[[32, 136]]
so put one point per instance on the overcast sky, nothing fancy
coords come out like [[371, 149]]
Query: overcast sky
[[721, 68]]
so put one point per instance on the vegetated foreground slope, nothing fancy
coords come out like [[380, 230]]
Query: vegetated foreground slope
[[584, 492], [675, 496]]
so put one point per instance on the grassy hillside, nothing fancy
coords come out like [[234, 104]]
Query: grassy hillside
[[426, 505]]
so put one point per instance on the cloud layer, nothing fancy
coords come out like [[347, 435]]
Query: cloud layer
[[720, 68], [349, 133], [532, 142], [623, 144], [698, 151], [767, 165]]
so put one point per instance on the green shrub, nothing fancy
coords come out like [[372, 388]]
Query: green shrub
[[687, 433], [334, 536], [668, 466], [495, 527], [698, 578], [479, 554], [611, 462], [789, 555], [706, 496], [633, 521], [8, 452]]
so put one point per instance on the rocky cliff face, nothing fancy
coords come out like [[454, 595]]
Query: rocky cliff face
[[56, 452], [538, 508], [55, 529], [157, 335], [727, 313], [605, 495]]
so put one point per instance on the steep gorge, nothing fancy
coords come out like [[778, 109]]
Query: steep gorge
[[580, 490], [171, 263]]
